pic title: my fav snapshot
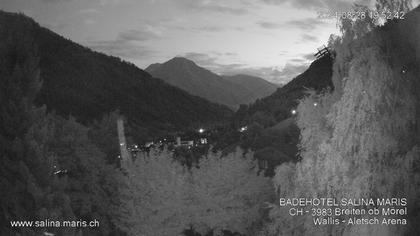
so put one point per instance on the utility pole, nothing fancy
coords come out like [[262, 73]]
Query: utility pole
[[125, 155]]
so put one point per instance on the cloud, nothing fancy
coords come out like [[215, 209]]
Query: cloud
[[289, 71], [210, 61], [111, 2], [56, 1], [303, 59], [121, 49], [213, 6], [297, 60], [339, 5], [56, 26], [269, 25], [309, 56], [231, 54], [126, 44], [225, 9], [87, 11], [217, 28], [138, 35], [308, 38], [201, 58], [207, 28], [306, 23], [210, 28], [89, 21], [273, 74], [101, 2], [293, 68]]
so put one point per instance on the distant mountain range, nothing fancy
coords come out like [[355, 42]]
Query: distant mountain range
[[257, 87], [87, 85], [228, 90]]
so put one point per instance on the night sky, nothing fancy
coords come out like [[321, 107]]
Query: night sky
[[273, 39]]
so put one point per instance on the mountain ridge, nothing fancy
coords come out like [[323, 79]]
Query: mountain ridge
[[187, 75], [279, 104], [86, 84]]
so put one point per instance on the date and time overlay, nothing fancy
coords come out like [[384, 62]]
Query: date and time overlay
[[361, 15]]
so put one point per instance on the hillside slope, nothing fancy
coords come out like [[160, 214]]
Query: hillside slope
[[257, 87], [271, 129], [278, 105], [185, 74], [86, 84]]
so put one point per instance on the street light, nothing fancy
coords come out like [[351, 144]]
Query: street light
[[293, 112], [201, 130]]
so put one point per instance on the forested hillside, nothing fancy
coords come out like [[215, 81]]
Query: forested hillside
[[54, 169], [88, 85], [278, 105], [271, 131], [256, 86]]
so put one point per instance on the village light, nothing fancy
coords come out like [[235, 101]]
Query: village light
[[201, 130], [315, 104], [293, 112]]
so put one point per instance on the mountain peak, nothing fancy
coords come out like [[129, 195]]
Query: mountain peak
[[181, 61], [185, 74]]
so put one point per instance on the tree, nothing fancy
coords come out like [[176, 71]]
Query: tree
[[154, 197], [104, 135], [359, 141], [394, 5], [90, 180], [161, 197], [228, 194], [76, 181]]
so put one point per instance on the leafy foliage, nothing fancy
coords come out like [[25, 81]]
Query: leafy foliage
[[265, 119], [78, 182], [36, 148], [228, 194], [154, 197], [360, 141], [161, 197]]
